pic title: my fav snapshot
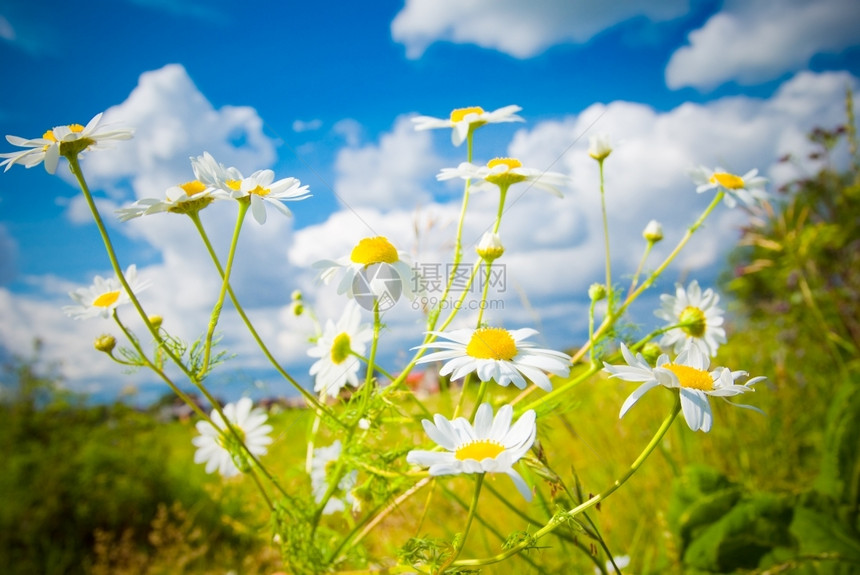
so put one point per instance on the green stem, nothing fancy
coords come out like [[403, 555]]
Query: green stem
[[560, 519], [244, 204], [318, 406], [611, 318], [606, 241], [459, 543]]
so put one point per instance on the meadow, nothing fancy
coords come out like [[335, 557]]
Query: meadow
[[111, 489]]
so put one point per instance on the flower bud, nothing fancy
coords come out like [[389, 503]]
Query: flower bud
[[490, 247], [297, 307], [597, 292], [651, 351], [653, 232], [105, 343], [599, 147], [156, 321], [296, 295]]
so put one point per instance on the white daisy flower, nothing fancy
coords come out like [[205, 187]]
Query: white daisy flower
[[497, 354], [464, 119], [214, 174], [491, 445], [599, 147], [690, 376], [261, 187], [375, 272], [490, 247], [336, 366], [216, 445], [319, 482], [747, 188], [187, 198], [54, 142], [104, 295], [701, 318], [503, 172]]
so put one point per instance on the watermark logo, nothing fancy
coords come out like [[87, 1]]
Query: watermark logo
[[377, 284]]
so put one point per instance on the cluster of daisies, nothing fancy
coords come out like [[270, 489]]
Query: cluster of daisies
[[491, 442]]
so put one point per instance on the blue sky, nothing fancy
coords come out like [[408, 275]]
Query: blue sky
[[323, 91]]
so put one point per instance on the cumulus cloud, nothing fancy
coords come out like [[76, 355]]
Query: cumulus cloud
[[554, 247], [388, 174], [517, 28], [751, 42], [307, 125]]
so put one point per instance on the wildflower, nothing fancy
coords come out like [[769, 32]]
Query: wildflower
[[490, 247], [690, 376], [491, 445], [336, 349], [261, 187], [747, 188], [217, 446], [378, 252], [322, 457], [462, 120], [503, 172], [187, 198], [597, 292], [653, 232], [599, 147], [497, 354], [103, 296], [699, 318], [59, 141]]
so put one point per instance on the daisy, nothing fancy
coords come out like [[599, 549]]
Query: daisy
[[690, 376], [391, 274], [103, 296], [337, 366], [216, 445], [599, 147], [700, 319], [747, 188], [503, 172], [490, 247], [187, 198], [59, 140], [496, 354], [491, 445], [464, 119], [319, 482], [261, 187]]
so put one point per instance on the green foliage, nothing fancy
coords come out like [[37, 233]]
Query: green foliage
[[76, 477]]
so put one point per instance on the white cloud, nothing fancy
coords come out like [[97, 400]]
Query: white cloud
[[307, 125], [753, 41], [518, 28], [389, 174], [554, 247]]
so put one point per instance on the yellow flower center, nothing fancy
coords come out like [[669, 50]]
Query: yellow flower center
[[726, 180], [509, 162], [261, 191], [460, 113], [235, 185], [479, 450], [106, 299], [492, 343], [505, 178], [693, 321], [340, 349], [374, 251], [193, 187], [49, 135], [692, 377]]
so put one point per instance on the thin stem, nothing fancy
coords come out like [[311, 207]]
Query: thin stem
[[561, 518], [225, 283], [308, 396], [606, 241], [461, 541]]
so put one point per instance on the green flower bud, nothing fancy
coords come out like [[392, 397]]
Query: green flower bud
[[597, 292], [105, 343]]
